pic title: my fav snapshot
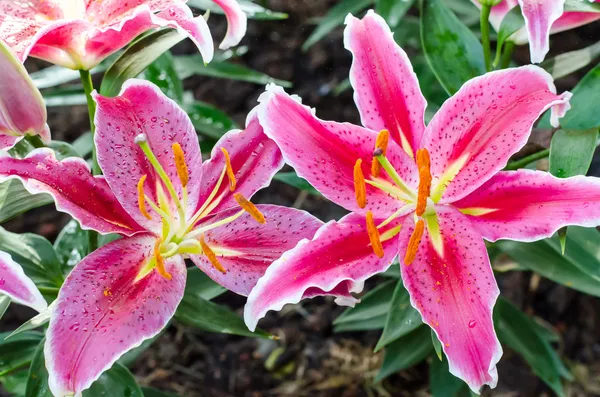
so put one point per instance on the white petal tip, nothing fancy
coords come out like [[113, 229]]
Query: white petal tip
[[560, 109]]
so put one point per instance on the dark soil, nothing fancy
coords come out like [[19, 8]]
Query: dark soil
[[317, 362]]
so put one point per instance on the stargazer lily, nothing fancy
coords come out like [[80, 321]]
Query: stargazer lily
[[79, 34], [168, 205], [427, 194], [15, 284], [542, 18], [22, 108]]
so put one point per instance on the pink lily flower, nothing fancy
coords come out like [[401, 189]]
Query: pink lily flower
[[17, 286], [168, 206], [79, 34], [22, 108], [542, 18], [428, 194]]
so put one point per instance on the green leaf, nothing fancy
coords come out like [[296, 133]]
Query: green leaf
[[519, 331], [584, 114], [368, 324], [65, 96], [401, 319], [393, 10], [35, 254], [4, 304], [117, 381], [195, 311], [581, 6], [571, 152], [452, 50], [17, 352], [374, 303], [57, 75], [84, 144], [71, 245], [334, 18], [569, 62], [15, 200], [63, 150], [294, 180], [443, 384], [252, 10], [162, 73], [151, 392], [405, 352], [200, 286], [208, 120], [437, 345], [33, 323], [14, 383], [192, 65], [511, 22], [137, 58], [37, 380]]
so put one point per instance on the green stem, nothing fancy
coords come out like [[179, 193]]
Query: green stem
[[88, 87], [35, 141], [48, 290], [509, 47], [525, 161], [485, 36]]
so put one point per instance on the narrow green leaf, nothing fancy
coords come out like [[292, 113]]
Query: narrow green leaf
[[518, 331], [452, 50], [406, 352], [571, 152], [368, 324], [137, 58], [562, 238], [294, 180], [17, 352], [437, 345], [581, 6], [374, 303], [584, 114], [443, 384], [63, 150], [117, 381], [37, 380], [65, 96], [162, 73], [33, 323], [252, 10], [15, 200], [71, 245], [402, 318], [200, 286], [4, 304], [569, 62], [208, 120], [84, 144], [393, 10], [334, 18], [512, 22]]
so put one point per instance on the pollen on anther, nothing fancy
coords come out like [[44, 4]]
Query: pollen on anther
[[424, 164], [413, 243], [160, 262], [142, 199], [229, 168], [360, 187], [182, 170], [212, 257], [381, 145], [250, 208], [374, 236]]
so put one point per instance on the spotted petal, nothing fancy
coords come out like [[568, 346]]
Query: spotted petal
[[539, 17], [489, 119], [246, 248], [455, 293], [141, 108], [17, 286], [103, 311], [386, 89], [75, 191], [336, 262], [324, 153]]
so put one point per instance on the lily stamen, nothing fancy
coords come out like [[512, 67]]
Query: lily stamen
[[212, 257], [182, 170], [374, 236], [229, 169], [250, 208], [160, 262], [360, 187], [381, 144], [413, 243], [142, 198], [424, 164]]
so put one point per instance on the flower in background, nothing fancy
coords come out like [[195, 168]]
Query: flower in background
[[17, 286], [22, 108], [428, 194], [167, 205], [542, 18], [79, 34]]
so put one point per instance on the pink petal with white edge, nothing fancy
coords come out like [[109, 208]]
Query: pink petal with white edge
[[539, 17], [528, 205], [22, 108], [236, 23], [246, 248], [572, 20], [336, 262], [75, 191], [324, 152], [255, 159], [17, 286], [386, 89], [455, 294], [487, 121], [103, 312], [141, 108]]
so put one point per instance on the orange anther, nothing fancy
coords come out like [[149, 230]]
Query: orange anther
[[413, 243], [374, 236], [160, 262], [182, 169], [381, 145], [229, 168], [249, 208], [211, 256], [141, 198], [360, 187], [424, 164]]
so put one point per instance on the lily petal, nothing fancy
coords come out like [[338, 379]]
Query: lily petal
[[141, 108], [246, 248], [455, 294], [386, 89], [255, 159], [17, 286], [528, 205], [103, 311], [75, 191], [489, 119], [336, 262], [572, 20], [236, 23], [22, 108], [325, 152], [539, 17]]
